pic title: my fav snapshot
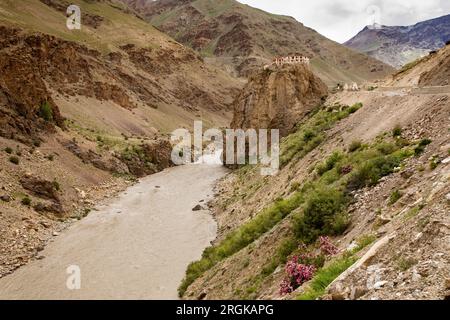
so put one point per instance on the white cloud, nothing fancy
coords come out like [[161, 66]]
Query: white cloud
[[342, 19]]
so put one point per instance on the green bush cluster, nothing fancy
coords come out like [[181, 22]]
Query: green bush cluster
[[372, 170], [135, 151], [397, 131], [26, 201], [46, 111], [322, 215], [321, 202], [394, 197], [324, 212], [311, 133], [330, 163], [421, 147], [240, 238], [354, 146]]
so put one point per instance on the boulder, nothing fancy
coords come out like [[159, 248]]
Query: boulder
[[197, 208], [5, 198], [40, 187]]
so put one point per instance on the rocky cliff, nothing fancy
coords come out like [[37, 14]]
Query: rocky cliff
[[278, 98]]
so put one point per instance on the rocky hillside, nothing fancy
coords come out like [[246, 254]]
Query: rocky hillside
[[85, 112], [359, 209], [399, 45], [145, 77], [278, 98], [432, 70], [241, 38]]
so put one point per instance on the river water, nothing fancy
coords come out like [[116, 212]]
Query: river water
[[136, 247]]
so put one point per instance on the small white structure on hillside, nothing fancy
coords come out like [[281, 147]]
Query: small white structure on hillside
[[279, 61], [352, 87]]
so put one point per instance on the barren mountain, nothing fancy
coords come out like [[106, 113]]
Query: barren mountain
[[139, 69], [399, 45], [242, 38]]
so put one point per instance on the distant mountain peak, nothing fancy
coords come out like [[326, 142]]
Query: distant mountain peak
[[398, 45]]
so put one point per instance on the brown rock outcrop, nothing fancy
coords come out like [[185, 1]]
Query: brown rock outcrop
[[40, 187], [278, 99], [148, 158]]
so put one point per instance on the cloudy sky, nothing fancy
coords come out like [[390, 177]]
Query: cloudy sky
[[340, 20]]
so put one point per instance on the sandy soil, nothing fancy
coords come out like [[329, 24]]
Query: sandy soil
[[137, 247]]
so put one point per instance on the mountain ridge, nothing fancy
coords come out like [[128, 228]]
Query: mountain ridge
[[241, 38], [399, 45]]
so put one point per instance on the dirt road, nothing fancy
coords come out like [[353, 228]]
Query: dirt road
[[137, 247]]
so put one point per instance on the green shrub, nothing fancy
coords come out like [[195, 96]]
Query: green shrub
[[401, 142], [56, 185], [46, 112], [386, 148], [403, 264], [421, 147], [394, 197], [371, 171], [397, 131], [419, 150], [308, 135], [14, 160], [311, 133], [336, 267], [26, 201], [322, 215], [8, 150], [354, 146], [425, 142], [433, 164], [354, 108], [325, 276], [363, 242], [329, 163], [295, 186]]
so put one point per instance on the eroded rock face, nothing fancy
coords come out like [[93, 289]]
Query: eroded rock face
[[40, 187], [148, 158], [46, 190], [22, 89], [278, 99]]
